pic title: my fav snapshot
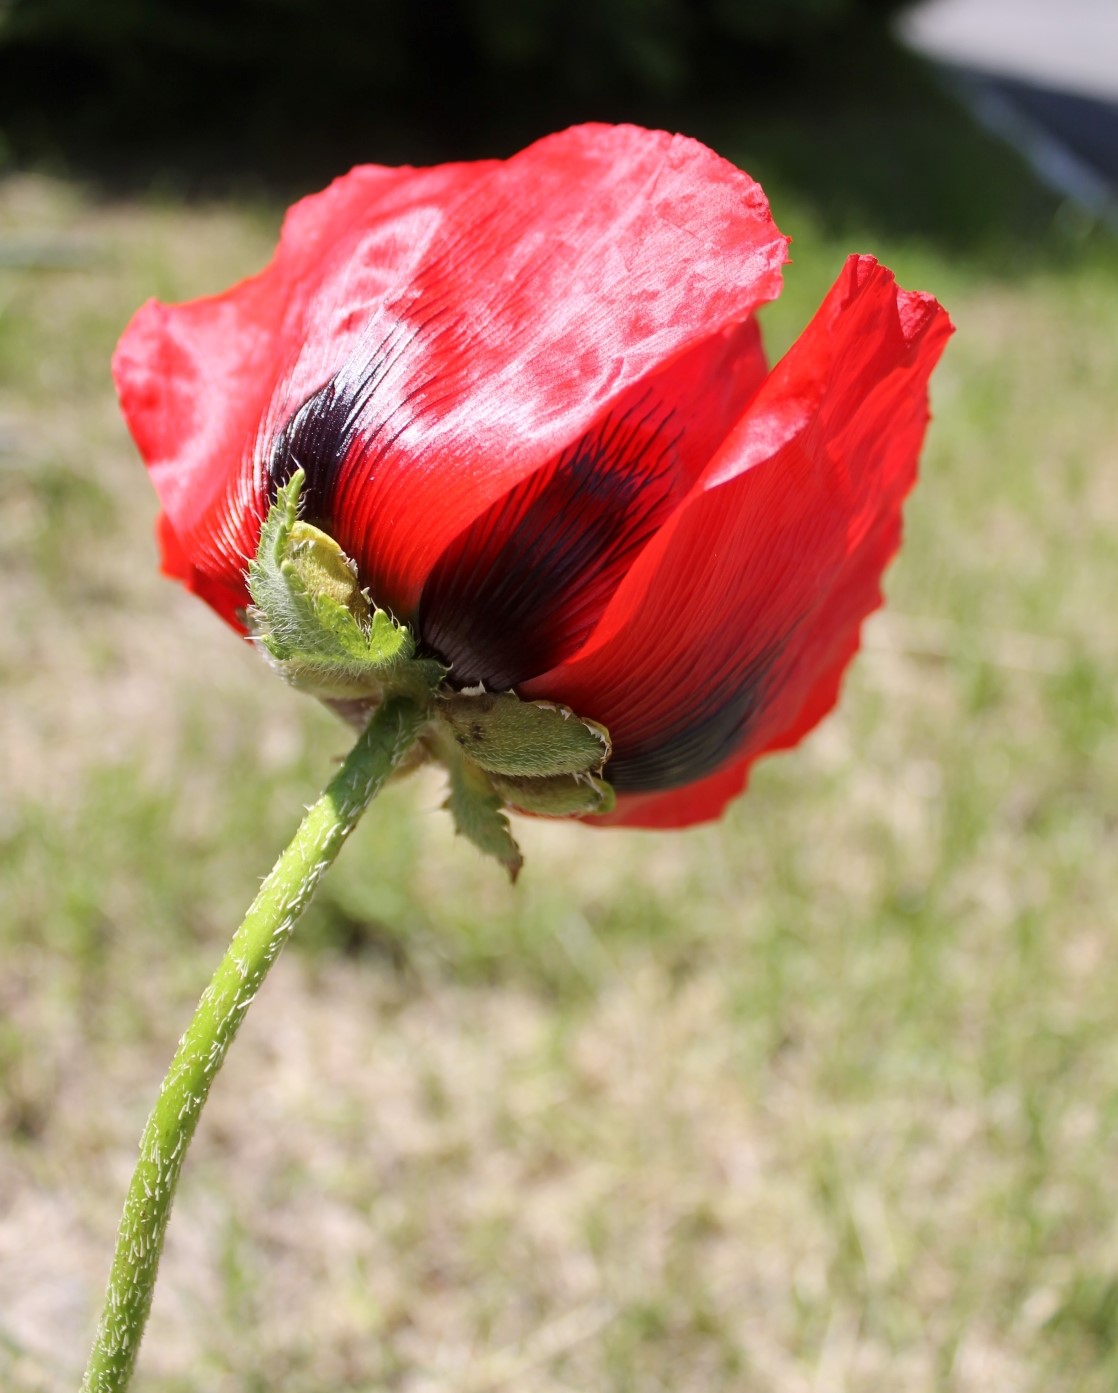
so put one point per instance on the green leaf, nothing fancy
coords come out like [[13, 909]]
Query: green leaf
[[311, 615], [477, 814], [523, 739], [561, 795]]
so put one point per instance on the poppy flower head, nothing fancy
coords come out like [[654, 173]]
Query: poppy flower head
[[529, 399]]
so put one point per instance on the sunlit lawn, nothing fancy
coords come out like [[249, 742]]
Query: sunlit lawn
[[824, 1097]]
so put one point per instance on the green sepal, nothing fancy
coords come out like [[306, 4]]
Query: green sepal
[[523, 739], [477, 814], [561, 795], [314, 620]]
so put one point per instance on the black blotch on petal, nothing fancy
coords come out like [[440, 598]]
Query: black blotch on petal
[[704, 737], [522, 587], [316, 439], [320, 436]]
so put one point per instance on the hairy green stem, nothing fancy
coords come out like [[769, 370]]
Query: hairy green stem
[[266, 928]]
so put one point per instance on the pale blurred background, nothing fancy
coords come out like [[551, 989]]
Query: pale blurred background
[[822, 1098]]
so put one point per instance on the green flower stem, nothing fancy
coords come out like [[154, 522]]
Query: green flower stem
[[267, 926]]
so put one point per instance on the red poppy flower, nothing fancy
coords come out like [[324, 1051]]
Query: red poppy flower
[[531, 402]]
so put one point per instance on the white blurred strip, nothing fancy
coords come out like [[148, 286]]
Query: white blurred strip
[[1069, 45]]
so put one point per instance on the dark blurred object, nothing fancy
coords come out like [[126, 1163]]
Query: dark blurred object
[[270, 79]]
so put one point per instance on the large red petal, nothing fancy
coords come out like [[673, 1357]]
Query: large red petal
[[460, 327], [742, 612], [521, 588]]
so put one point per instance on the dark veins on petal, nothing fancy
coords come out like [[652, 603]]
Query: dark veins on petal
[[315, 440], [702, 739], [522, 587], [322, 434]]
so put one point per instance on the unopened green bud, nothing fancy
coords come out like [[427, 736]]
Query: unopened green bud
[[324, 569]]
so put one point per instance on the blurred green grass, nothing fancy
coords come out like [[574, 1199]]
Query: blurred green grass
[[823, 1097]]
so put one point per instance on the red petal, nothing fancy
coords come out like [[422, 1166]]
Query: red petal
[[833, 642], [732, 628], [701, 801], [176, 564], [480, 319], [195, 380], [522, 587]]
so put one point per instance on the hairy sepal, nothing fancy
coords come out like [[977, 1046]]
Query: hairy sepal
[[315, 622], [561, 795], [523, 739], [477, 812], [532, 756]]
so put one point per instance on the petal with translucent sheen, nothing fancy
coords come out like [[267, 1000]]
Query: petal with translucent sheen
[[425, 340]]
